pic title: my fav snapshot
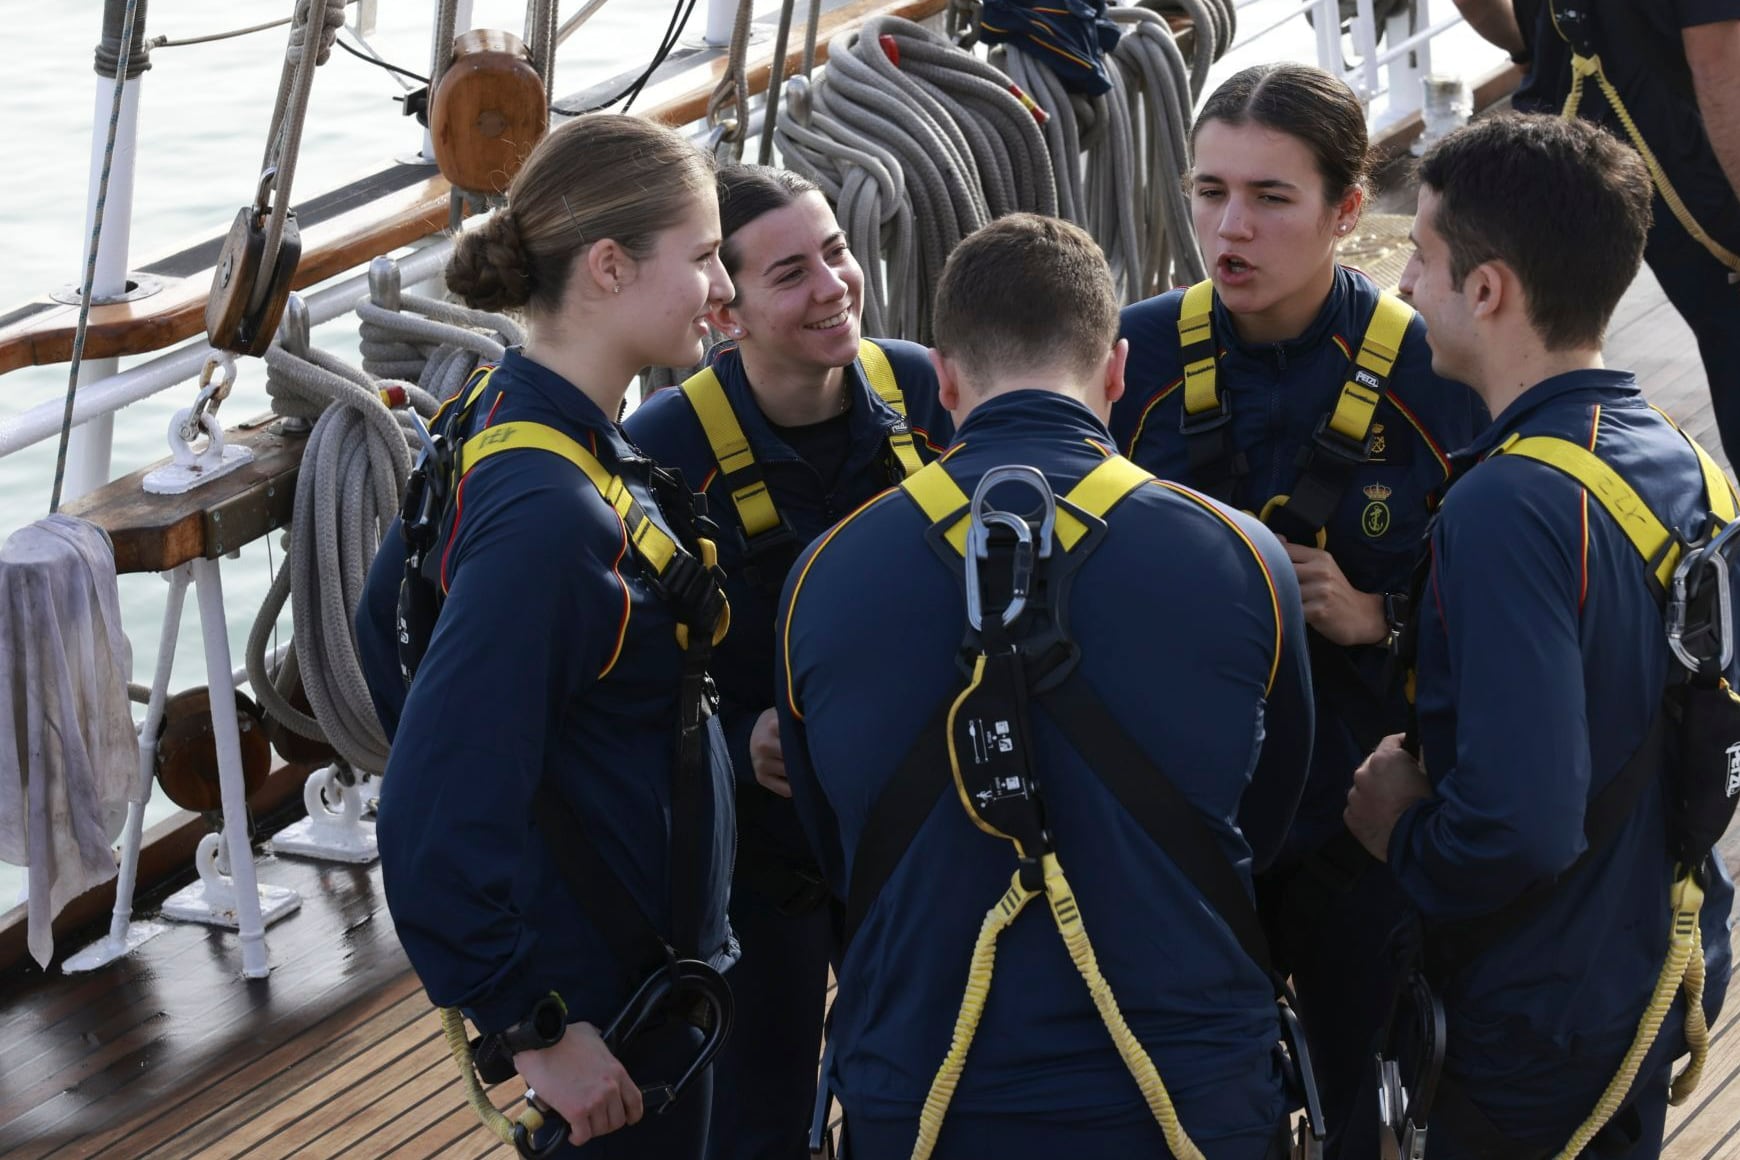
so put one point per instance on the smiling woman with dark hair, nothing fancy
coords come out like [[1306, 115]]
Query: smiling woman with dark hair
[[797, 421], [1288, 386]]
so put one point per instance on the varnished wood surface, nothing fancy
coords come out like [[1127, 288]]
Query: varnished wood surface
[[155, 533]]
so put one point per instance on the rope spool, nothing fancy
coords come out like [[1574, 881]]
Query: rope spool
[[186, 763]]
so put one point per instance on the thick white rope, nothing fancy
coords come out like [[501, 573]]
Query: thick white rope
[[353, 472]]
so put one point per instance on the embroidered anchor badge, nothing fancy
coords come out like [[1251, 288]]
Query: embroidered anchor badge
[[1375, 520]]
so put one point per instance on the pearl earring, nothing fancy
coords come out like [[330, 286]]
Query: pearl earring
[[736, 332]]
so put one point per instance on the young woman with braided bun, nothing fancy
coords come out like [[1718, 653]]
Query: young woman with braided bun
[[553, 669]]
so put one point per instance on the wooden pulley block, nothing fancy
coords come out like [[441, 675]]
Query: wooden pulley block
[[229, 324], [488, 111], [291, 745], [187, 764]]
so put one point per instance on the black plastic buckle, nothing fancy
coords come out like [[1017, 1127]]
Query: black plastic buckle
[[768, 557], [1189, 424], [1338, 446]]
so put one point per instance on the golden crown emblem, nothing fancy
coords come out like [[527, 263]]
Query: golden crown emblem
[[1377, 492]]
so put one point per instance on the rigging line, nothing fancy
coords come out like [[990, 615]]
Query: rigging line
[[86, 291], [369, 58], [679, 20], [164, 42]]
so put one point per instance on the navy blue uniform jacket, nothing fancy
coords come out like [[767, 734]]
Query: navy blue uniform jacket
[[666, 428], [1189, 624], [552, 660], [1278, 394], [1542, 662]]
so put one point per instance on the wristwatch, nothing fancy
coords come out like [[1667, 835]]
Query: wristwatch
[[542, 1028]]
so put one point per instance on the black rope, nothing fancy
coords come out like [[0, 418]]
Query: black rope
[[379, 63], [679, 20]]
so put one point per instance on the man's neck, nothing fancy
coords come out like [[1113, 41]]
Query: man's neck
[[1509, 375]]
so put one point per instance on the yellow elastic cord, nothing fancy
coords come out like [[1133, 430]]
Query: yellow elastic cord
[[1136, 1060], [1081, 952], [978, 989], [1683, 968], [453, 1026], [1590, 66]]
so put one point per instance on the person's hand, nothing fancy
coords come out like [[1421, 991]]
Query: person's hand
[[765, 757], [583, 1083], [1333, 606], [1384, 786]]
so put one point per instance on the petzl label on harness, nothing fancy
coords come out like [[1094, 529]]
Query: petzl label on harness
[[989, 754]]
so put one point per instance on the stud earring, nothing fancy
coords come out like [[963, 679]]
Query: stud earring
[[736, 332], [616, 289]]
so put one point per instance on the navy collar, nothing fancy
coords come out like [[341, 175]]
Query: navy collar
[[1022, 414], [870, 418], [540, 387], [1606, 384], [1341, 292]]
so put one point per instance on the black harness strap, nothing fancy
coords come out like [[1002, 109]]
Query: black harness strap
[[1167, 816], [1452, 946], [897, 815]]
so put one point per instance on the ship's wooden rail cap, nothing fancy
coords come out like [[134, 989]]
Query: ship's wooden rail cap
[[345, 229], [155, 533]]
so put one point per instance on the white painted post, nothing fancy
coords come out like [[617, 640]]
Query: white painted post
[[222, 690], [721, 16], [88, 451]]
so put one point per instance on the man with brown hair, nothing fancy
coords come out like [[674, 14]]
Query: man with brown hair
[[1173, 618], [1529, 832]]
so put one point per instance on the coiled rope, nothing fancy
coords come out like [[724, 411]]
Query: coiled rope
[[353, 472], [1119, 158], [918, 144]]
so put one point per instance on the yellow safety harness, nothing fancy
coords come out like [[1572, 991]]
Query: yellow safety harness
[[1040, 872], [1573, 28], [1342, 441], [690, 583], [1683, 969], [764, 530]]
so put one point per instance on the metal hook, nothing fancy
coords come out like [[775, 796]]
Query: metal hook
[[1702, 566], [1029, 545], [268, 182]]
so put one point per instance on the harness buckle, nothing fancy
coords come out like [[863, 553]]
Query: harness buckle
[[1198, 424], [1338, 446], [1700, 617]]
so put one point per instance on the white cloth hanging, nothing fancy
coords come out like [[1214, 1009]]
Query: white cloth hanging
[[69, 753]]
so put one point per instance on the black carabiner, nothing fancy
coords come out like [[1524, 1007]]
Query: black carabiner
[[690, 992]]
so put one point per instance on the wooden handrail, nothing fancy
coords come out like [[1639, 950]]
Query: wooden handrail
[[41, 332]]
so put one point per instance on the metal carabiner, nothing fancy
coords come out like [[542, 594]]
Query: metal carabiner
[[1701, 566], [1030, 546], [262, 195]]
